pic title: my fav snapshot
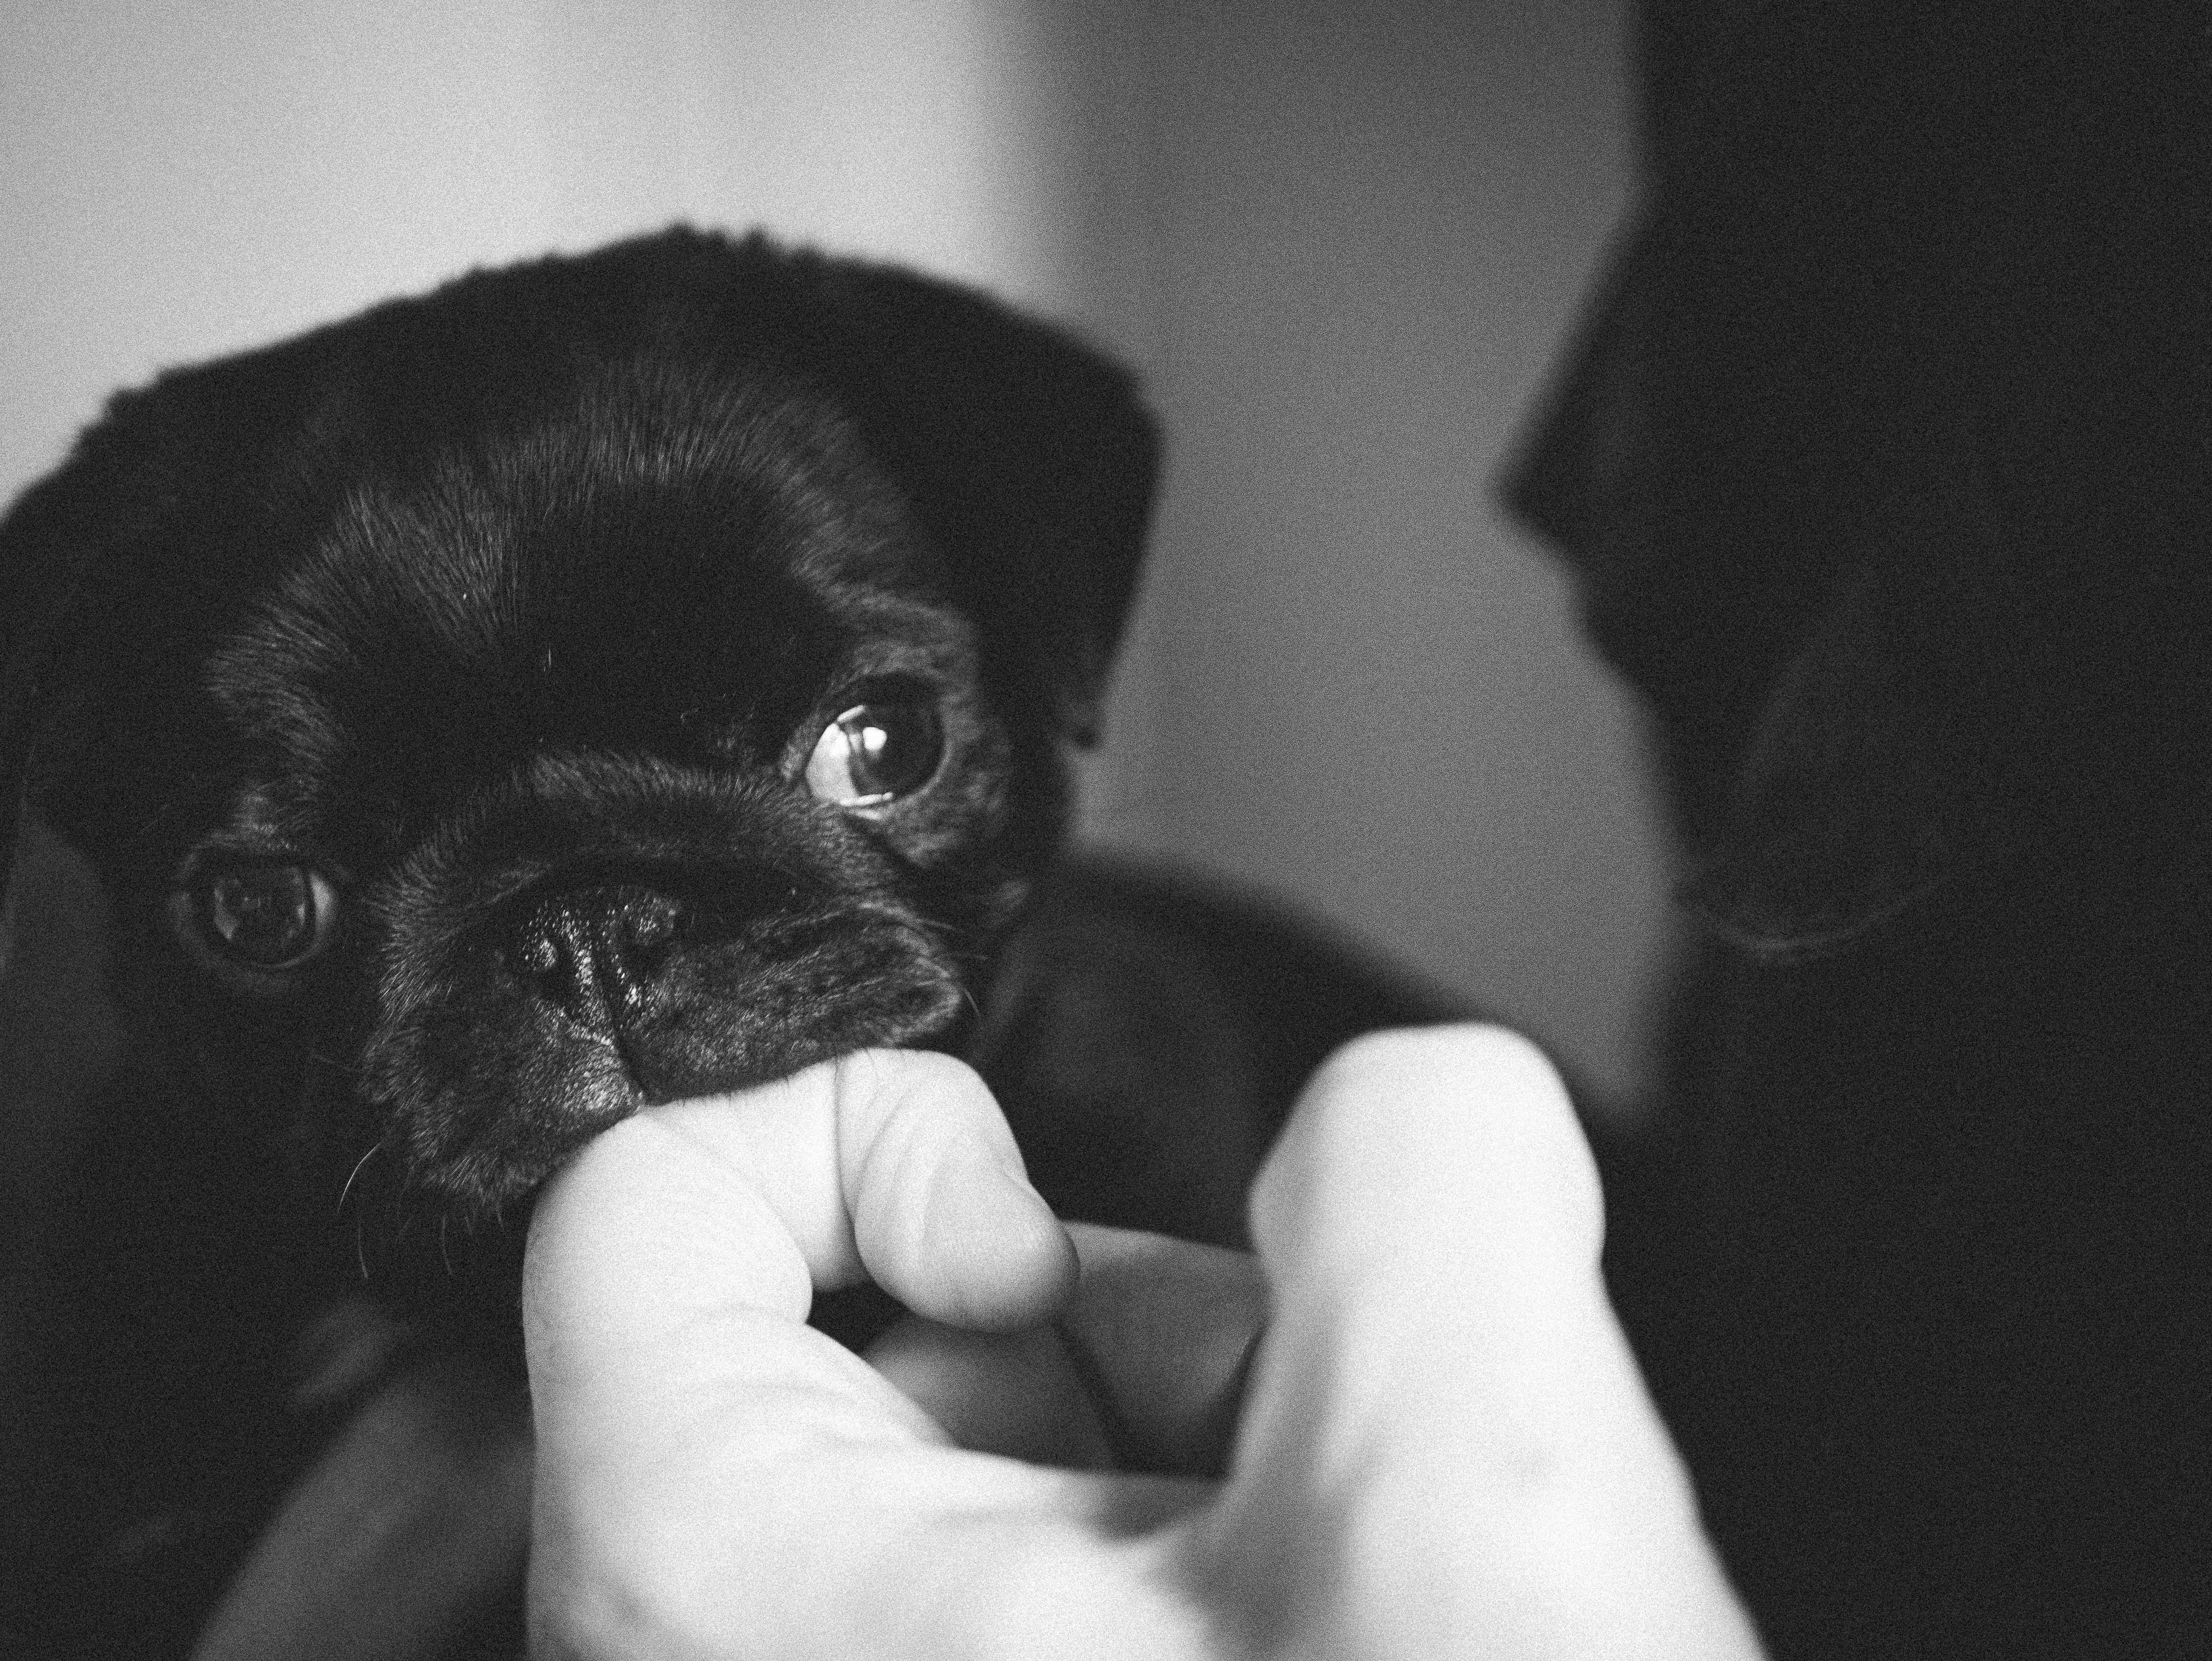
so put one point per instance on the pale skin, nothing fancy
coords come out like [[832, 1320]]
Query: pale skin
[[1444, 1448]]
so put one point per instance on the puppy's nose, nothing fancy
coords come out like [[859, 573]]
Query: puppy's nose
[[596, 953]]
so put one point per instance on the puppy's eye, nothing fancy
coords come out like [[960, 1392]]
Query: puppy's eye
[[874, 752], [267, 915]]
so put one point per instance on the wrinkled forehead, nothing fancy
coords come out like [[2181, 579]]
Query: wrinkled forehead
[[645, 567]]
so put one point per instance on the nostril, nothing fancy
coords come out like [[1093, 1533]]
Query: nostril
[[550, 950], [652, 921], [595, 953], [539, 954]]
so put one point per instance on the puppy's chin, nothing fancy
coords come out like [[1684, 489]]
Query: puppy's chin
[[488, 1082]]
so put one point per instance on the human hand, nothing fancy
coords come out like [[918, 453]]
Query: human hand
[[1444, 1449]]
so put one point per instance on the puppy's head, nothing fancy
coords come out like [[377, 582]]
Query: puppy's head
[[599, 682]]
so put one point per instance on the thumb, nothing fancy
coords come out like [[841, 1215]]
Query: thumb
[[1443, 1351]]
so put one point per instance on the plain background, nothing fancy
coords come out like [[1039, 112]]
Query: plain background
[[1340, 242]]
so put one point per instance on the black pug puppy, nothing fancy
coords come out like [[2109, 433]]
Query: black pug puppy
[[601, 682]]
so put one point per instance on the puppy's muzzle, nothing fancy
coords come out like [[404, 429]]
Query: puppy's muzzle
[[605, 957], [601, 985], [598, 955]]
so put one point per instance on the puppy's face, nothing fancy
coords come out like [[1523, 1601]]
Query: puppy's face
[[634, 757], [482, 737]]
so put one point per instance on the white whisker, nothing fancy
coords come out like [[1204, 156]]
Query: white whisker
[[374, 1148]]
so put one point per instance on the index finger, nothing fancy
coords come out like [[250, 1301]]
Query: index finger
[[713, 1477], [659, 1258]]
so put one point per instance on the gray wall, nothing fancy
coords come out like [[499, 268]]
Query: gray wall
[[1369, 226], [1340, 240]]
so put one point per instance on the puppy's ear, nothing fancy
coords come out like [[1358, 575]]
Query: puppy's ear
[[79, 548], [50, 547], [1029, 456]]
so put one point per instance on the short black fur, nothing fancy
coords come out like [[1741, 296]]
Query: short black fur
[[515, 614], [449, 704]]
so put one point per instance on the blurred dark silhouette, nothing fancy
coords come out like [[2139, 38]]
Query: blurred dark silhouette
[[1884, 465]]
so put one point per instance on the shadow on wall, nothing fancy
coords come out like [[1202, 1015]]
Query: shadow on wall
[[1340, 240]]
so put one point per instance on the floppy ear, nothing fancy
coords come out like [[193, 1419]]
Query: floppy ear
[[51, 541], [78, 548], [1028, 455]]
